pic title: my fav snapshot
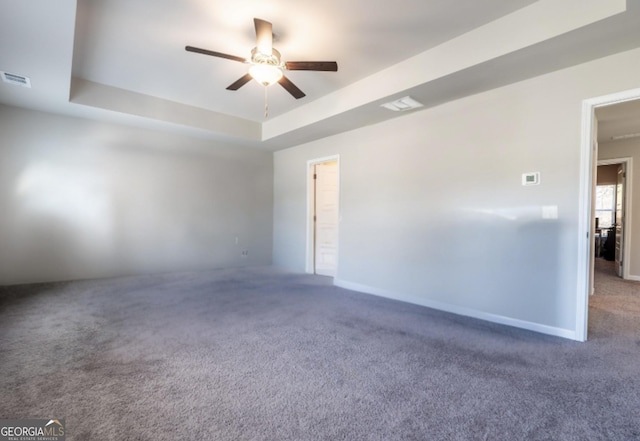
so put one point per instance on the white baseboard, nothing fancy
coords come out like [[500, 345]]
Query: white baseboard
[[495, 318], [634, 278]]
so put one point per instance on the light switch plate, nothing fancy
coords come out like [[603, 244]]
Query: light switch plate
[[550, 212]]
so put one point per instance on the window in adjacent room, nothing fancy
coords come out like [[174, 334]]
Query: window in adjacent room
[[606, 205]]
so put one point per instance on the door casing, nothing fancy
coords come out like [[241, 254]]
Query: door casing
[[588, 156]]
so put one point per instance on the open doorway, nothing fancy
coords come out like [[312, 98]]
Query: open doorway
[[612, 211], [323, 190], [616, 115]]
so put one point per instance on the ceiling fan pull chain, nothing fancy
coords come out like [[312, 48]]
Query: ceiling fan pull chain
[[266, 102]]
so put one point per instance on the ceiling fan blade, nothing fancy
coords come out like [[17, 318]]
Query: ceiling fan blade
[[328, 66], [240, 82], [214, 54], [264, 36], [291, 88]]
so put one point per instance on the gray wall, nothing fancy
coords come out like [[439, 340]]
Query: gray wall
[[629, 148], [432, 206], [82, 199]]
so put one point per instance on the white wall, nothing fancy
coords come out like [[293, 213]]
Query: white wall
[[83, 199], [629, 148], [432, 206]]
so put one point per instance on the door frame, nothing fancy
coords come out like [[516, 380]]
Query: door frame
[[626, 213], [310, 254], [588, 156]]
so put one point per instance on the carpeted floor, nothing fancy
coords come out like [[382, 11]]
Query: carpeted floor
[[256, 354]]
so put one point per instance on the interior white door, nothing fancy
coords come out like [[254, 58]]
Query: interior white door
[[326, 218], [620, 188]]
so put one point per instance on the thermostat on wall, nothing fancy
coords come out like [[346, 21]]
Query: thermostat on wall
[[531, 178]]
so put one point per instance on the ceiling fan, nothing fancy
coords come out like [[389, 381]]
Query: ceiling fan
[[266, 65]]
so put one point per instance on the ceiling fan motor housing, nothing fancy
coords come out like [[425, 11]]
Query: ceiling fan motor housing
[[272, 59]]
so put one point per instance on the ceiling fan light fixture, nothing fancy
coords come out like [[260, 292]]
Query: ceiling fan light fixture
[[266, 68], [265, 74]]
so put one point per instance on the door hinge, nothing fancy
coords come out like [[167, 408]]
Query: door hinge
[[315, 176]]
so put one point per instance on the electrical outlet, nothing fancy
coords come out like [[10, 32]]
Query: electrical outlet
[[245, 253]]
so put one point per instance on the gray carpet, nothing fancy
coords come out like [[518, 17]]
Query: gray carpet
[[256, 354]]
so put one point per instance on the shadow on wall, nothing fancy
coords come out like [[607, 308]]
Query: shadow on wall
[[84, 199], [505, 262], [500, 262], [125, 213], [60, 211]]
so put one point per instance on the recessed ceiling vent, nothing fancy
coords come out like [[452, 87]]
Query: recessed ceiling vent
[[18, 80], [402, 105]]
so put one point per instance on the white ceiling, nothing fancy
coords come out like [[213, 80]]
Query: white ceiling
[[124, 61], [621, 119], [140, 45]]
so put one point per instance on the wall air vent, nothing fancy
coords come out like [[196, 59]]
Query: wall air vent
[[402, 105], [18, 80]]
